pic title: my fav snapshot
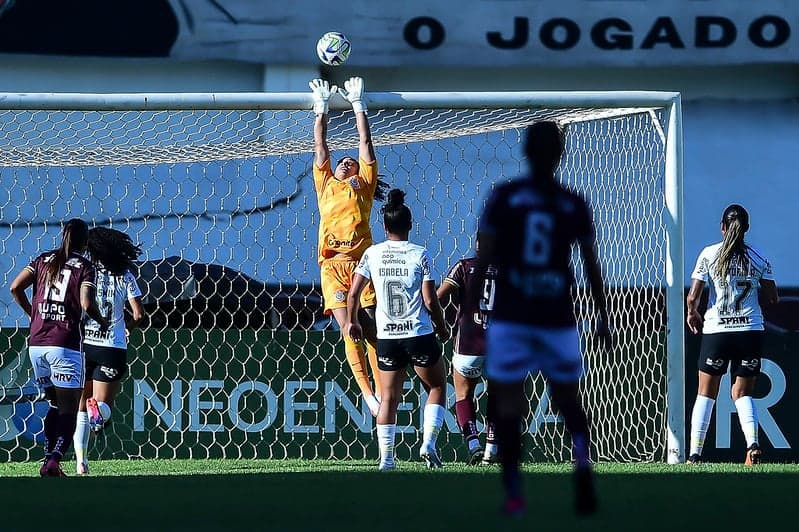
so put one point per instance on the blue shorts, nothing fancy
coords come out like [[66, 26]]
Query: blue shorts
[[515, 350]]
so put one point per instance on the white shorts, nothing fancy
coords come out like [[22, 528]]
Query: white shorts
[[470, 366], [516, 350], [56, 366]]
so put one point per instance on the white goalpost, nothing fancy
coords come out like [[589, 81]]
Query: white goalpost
[[236, 358]]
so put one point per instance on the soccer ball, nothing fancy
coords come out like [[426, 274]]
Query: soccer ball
[[333, 48]]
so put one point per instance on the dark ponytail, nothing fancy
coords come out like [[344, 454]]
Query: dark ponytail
[[735, 221], [396, 215], [113, 249], [73, 238]]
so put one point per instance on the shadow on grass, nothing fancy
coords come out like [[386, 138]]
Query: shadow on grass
[[415, 501]]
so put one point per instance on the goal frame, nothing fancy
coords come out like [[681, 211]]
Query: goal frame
[[669, 102]]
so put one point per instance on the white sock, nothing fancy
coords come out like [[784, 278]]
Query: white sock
[[491, 449], [700, 420], [385, 440], [747, 415], [433, 420], [81, 439], [372, 403]]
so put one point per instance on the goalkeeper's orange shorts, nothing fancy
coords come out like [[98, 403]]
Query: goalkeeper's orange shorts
[[336, 282]]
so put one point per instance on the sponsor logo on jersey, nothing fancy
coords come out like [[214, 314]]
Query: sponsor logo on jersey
[[100, 335], [340, 295], [334, 242], [399, 327], [47, 308], [75, 263], [734, 320]]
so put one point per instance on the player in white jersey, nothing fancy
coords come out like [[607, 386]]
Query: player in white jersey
[[732, 329], [105, 351], [408, 317]]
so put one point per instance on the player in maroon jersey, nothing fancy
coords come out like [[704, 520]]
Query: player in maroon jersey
[[473, 290], [527, 231], [63, 288]]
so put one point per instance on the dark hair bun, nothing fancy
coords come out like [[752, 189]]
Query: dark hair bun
[[396, 197]]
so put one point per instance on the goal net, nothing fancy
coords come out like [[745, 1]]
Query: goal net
[[235, 358]]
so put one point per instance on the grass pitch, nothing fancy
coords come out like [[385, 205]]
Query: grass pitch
[[317, 495]]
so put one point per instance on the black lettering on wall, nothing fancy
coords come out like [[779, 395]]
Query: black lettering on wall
[[549, 28], [714, 32], [521, 32], [415, 26], [757, 31], [663, 31], [616, 40]]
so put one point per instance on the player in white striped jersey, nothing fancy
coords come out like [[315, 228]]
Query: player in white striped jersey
[[408, 317], [740, 279], [105, 351]]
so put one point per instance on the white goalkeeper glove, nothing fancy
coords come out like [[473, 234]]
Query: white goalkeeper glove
[[321, 95], [353, 93]]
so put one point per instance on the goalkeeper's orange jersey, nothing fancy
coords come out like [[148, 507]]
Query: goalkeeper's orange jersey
[[344, 209]]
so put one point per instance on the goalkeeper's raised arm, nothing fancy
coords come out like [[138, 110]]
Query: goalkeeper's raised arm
[[353, 93]]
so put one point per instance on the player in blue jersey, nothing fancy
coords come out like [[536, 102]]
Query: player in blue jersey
[[472, 288], [526, 231], [105, 351], [732, 330]]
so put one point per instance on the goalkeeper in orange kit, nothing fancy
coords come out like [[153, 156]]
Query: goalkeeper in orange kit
[[345, 194]]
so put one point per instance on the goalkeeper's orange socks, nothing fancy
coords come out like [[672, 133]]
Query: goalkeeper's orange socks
[[357, 361]]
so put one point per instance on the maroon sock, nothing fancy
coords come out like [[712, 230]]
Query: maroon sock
[[50, 430], [467, 419], [66, 431]]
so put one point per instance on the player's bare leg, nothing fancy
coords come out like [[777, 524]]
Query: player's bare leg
[[434, 380], [466, 414], [356, 358]]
